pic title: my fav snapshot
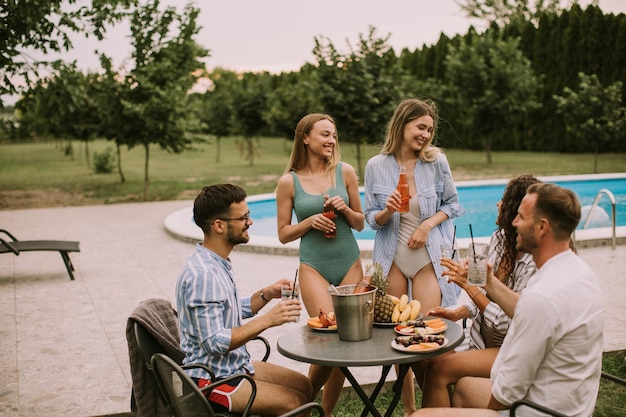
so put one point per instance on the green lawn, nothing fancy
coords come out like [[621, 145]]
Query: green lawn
[[45, 167]]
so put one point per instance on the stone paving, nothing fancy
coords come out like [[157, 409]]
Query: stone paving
[[64, 350]]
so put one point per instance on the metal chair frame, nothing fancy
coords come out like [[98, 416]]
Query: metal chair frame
[[162, 365]]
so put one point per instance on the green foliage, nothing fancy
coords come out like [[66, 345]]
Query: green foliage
[[44, 25], [593, 115], [155, 99], [481, 82], [104, 162], [61, 105], [293, 97], [493, 88], [359, 89], [502, 12]]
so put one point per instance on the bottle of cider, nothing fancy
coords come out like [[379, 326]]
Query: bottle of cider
[[329, 212], [363, 285], [403, 189]]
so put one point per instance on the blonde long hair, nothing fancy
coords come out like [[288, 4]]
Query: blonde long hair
[[298, 157], [406, 111]]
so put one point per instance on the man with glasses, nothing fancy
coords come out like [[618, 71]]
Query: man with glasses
[[211, 312]]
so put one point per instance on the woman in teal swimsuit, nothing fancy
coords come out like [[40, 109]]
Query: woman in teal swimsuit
[[314, 168]]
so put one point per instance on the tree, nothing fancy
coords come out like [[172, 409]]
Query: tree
[[218, 106], [594, 115], [493, 86], [293, 97], [62, 105], [359, 89], [43, 26], [155, 99], [250, 96], [110, 93]]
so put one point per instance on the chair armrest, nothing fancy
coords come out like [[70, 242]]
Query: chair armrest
[[201, 366], [10, 247], [526, 403], [308, 406], [220, 381], [267, 347]]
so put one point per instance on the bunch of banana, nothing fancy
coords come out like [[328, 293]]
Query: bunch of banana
[[405, 310]]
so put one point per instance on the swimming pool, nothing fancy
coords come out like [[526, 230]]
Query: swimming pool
[[479, 202], [479, 199]]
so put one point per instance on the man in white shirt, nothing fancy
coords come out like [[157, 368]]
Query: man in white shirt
[[552, 354]]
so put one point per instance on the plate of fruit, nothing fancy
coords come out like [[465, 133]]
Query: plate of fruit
[[324, 322], [419, 343], [421, 327]]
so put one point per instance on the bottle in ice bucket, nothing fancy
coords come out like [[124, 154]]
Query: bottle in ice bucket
[[363, 284], [403, 189], [329, 212]]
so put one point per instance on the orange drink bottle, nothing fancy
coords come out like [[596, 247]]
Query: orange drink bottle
[[362, 285], [403, 189], [329, 212]]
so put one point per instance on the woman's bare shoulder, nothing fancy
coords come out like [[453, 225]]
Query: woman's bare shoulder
[[285, 182]]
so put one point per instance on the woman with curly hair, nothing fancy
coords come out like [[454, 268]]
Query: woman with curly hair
[[490, 322]]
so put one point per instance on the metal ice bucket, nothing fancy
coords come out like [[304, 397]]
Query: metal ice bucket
[[354, 312]]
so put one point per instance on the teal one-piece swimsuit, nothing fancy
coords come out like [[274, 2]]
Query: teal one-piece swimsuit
[[332, 258]]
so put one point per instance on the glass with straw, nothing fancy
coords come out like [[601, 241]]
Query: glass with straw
[[450, 251], [292, 292], [477, 263]]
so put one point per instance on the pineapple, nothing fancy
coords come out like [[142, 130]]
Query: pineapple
[[383, 304]]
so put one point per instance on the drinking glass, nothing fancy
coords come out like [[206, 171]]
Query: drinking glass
[[450, 251], [286, 292], [477, 264]]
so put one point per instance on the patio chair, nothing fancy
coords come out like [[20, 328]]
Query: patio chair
[[15, 246], [153, 328], [185, 399]]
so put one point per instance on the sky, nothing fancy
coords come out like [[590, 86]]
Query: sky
[[279, 35]]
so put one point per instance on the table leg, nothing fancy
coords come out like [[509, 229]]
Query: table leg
[[369, 404], [403, 369], [379, 386]]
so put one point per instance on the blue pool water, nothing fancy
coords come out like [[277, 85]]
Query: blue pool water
[[479, 202]]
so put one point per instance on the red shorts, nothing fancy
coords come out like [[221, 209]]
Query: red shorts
[[219, 397]]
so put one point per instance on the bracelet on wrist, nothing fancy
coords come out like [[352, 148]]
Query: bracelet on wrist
[[472, 296], [265, 300]]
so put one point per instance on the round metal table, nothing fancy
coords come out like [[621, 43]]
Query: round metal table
[[325, 348]]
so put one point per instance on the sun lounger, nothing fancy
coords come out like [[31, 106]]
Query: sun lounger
[[16, 246]]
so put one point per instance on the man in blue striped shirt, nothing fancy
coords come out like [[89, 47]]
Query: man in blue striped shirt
[[211, 312]]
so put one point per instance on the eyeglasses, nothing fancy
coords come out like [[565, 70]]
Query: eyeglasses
[[245, 218]]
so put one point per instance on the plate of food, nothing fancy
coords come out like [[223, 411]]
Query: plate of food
[[421, 327], [418, 343], [329, 329], [323, 323]]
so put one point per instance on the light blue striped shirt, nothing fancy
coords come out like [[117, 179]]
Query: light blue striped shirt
[[437, 192], [208, 308]]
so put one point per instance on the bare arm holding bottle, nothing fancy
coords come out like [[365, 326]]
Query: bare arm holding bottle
[[352, 211]]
